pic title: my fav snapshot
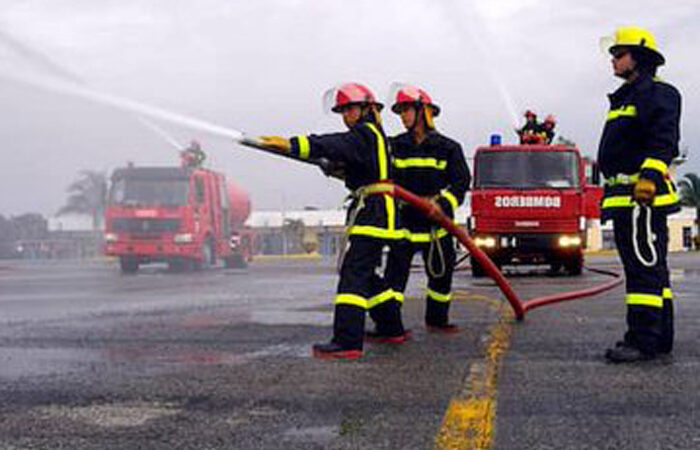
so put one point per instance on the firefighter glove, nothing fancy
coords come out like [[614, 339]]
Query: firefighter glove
[[644, 191], [280, 144]]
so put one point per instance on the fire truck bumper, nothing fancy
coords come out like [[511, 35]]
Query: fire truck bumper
[[152, 251], [530, 248]]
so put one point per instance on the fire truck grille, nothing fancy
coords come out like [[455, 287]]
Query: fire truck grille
[[146, 237], [146, 225]]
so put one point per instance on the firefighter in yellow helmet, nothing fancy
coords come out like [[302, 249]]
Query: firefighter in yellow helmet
[[547, 129], [639, 141]]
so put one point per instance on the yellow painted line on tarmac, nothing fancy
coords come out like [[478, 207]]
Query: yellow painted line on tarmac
[[599, 253], [289, 257], [470, 420]]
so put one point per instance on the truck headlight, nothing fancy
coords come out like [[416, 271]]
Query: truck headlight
[[487, 242], [183, 238], [111, 237], [569, 241]]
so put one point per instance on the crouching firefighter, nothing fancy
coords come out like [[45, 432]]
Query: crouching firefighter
[[639, 141], [432, 166], [363, 154]]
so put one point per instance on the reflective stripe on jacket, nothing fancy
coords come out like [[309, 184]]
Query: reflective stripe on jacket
[[435, 168], [364, 153]]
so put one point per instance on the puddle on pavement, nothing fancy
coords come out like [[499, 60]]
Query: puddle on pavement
[[313, 434], [207, 321], [292, 317], [16, 362], [128, 414], [199, 356], [22, 362], [298, 350]]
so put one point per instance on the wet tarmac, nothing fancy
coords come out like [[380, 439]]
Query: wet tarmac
[[221, 359]]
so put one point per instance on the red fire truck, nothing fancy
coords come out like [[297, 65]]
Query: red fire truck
[[531, 204], [188, 217]]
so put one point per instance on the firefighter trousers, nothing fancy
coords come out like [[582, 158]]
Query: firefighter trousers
[[641, 236], [439, 267], [362, 286]]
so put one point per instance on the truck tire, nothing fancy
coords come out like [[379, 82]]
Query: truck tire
[[128, 264], [555, 267], [236, 261], [575, 265], [477, 269], [179, 265]]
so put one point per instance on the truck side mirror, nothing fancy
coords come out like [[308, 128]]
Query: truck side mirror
[[595, 176]]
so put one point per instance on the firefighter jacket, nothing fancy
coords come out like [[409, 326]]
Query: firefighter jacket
[[530, 133], [363, 151], [434, 168], [640, 139]]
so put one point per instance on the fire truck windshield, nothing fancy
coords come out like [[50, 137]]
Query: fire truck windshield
[[527, 170], [144, 192]]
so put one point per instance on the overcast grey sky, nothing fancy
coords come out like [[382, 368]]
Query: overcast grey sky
[[262, 66]]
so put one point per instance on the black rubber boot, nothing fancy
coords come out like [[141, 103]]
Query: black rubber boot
[[387, 317], [626, 353], [447, 328], [380, 338], [333, 350], [666, 342]]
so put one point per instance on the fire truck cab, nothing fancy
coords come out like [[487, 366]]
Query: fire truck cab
[[531, 205]]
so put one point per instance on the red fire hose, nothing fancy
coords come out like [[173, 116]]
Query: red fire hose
[[435, 214]]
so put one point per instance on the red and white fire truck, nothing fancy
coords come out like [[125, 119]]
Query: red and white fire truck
[[188, 217], [531, 204]]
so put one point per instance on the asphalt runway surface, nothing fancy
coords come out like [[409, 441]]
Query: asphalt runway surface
[[91, 359]]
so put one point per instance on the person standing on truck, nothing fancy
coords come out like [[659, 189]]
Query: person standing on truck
[[547, 129], [193, 156], [363, 153], [639, 141], [529, 131], [433, 166]]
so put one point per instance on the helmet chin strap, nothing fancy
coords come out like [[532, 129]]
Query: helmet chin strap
[[428, 118], [422, 113], [629, 74], [371, 113]]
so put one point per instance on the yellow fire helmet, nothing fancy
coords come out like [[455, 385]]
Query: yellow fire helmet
[[633, 37]]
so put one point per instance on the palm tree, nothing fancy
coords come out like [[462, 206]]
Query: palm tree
[[689, 191], [88, 196]]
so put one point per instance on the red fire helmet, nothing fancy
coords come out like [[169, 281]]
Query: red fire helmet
[[337, 98], [406, 94]]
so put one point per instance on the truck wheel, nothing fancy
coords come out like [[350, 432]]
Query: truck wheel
[[477, 269], [555, 267], [236, 261], [575, 265], [128, 264], [178, 265]]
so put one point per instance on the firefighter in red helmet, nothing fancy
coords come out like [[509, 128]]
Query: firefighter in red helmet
[[363, 152], [528, 132], [433, 166]]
